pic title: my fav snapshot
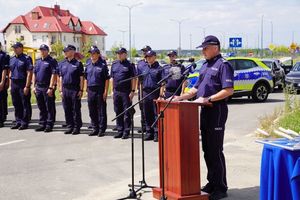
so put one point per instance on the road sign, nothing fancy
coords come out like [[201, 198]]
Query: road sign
[[235, 42]]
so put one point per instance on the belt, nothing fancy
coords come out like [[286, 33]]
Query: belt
[[42, 85], [72, 87]]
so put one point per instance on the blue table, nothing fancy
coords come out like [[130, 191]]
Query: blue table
[[280, 174]]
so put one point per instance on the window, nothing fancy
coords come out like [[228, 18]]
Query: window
[[17, 29], [44, 38], [245, 64], [46, 25], [34, 38], [233, 64], [65, 38], [53, 39], [74, 39]]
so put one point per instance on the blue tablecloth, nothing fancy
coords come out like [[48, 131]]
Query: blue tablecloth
[[280, 174]]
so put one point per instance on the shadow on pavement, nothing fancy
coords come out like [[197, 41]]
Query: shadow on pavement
[[251, 193]]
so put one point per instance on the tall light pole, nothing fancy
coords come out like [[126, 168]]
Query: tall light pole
[[179, 32], [191, 41], [123, 37], [271, 22], [204, 30], [262, 36], [129, 24]]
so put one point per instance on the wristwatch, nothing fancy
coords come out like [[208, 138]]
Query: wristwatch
[[209, 99], [132, 90]]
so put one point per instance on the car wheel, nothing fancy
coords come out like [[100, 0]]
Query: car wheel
[[260, 92]]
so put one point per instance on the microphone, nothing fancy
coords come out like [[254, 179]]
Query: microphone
[[190, 68], [191, 60]]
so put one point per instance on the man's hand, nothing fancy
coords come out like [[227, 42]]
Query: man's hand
[[203, 100], [1, 86], [79, 94], [176, 98], [50, 92], [26, 91], [104, 96], [131, 95], [34, 90]]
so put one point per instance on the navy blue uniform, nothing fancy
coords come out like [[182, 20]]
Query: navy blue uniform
[[19, 66], [4, 65], [172, 85], [122, 70], [96, 75], [215, 75], [150, 80], [43, 70], [140, 66], [71, 71]]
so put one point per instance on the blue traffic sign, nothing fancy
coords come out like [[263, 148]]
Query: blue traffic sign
[[235, 42]]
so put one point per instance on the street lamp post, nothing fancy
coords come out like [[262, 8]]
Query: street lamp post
[[262, 36], [271, 32], [129, 24], [179, 32], [123, 37]]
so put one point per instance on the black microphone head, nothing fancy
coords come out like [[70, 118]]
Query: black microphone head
[[191, 59]]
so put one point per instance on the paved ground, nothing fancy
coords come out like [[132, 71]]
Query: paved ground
[[39, 166]]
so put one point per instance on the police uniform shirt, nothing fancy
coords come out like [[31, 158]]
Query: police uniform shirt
[[71, 71], [4, 62], [121, 70], [96, 73], [43, 70], [19, 65], [170, 83], [216, 74], [152, 75]]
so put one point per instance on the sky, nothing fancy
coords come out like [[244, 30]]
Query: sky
[[152, 21]]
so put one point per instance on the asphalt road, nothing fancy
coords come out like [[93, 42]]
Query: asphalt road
[[40, 166]]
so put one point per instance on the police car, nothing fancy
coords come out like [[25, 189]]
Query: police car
[[252, 78]]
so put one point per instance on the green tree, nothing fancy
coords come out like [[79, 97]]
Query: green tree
[[85, 50], [57, 49]]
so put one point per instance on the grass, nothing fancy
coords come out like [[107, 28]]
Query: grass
[[287, 116]]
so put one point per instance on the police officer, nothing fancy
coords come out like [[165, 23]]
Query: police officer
[[97, 82], [4, 63], [122, 69], [214, 86], [153, 74], [140, 66], [171, 83], [44, 80], [71, 88], [21, 74]]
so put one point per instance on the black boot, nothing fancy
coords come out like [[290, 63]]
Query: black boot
[[94, 132], [41, 128], [48, 129], [16, 126], [119, 135], [125, 135], [69, 131], [149, 136], [76, 131]]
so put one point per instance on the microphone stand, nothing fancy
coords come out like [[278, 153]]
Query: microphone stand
[[161, 117], [132, 194]]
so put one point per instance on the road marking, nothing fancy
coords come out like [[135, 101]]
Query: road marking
[[137, 116], [11, 142]]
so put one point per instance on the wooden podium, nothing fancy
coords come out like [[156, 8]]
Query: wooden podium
[[181, 152]]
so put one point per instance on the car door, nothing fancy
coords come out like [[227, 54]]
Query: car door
[[245, 74]]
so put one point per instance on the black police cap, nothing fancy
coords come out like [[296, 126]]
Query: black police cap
[[210, 40]]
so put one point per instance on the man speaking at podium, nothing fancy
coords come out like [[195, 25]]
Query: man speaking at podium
[[214, 86]]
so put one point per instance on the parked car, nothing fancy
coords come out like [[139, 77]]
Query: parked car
[[252, 78], [292, 79], [286, 64], [277, 72]]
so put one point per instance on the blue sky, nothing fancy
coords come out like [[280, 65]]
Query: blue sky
[[151, 22]]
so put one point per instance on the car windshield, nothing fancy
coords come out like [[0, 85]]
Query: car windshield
[[268, 63], [296, 67], [199, 64]]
